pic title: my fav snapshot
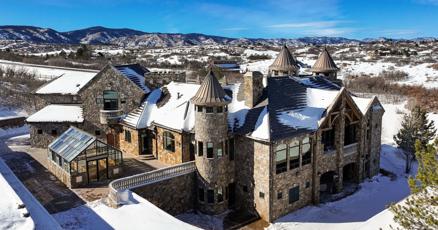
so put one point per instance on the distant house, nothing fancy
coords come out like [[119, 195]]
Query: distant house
[[94, 103]]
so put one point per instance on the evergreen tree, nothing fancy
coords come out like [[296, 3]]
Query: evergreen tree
[[420, 211], [415, 126]]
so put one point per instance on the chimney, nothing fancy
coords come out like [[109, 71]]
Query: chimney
[[253, 87]]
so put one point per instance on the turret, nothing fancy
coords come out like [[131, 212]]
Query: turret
[[284, 65], [325, 66], [211, 134]]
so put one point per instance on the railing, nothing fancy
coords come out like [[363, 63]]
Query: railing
[[119, 186], [350, 149], [110, 116]]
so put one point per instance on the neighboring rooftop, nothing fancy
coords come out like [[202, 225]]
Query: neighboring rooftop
[[325, 63], [67, 84], [58, 113], [135, 73]]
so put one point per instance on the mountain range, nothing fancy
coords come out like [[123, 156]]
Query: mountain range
[[135, 38]]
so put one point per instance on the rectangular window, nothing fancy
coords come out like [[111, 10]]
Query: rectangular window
[[219, 150], [169, 141], [294, 155], [307, 184], [200, 148], [210, 153], [209, 109], [231, 149], [294, 194], [306, 152], [201, 194], [280, 159], [210, 196], [279, 195], [40, 131], [110, 100], [97, 132], [199, 108], [127, 136], [328, 139], [54, 132], [220, 195], [219, 109]]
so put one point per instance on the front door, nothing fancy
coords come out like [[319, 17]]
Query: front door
[[192, 151], [110, 140], [102, 169], [92, 171]]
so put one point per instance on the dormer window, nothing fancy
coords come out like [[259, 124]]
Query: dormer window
[[110, 100]]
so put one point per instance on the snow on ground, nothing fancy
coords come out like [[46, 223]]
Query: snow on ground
[[10, 216], [139, 214], [6, 113], [13, 192], [365, 209], [13, 131], [47, 72]]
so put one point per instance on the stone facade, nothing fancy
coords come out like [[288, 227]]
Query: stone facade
[[42, 134], [253, 88], [182, 146], [130, 97], [132, 145], [175, 195]]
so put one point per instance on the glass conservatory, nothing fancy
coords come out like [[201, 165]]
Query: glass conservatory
[[78, 158]]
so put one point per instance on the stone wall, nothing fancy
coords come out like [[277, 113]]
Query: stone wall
[[175, 195], [12, 122], [282, 182], [166, 156], [42, 100], [158, 79], [253, 88], [132, 147], [43, 139], [108, 79], [60, 173], [253, 175]]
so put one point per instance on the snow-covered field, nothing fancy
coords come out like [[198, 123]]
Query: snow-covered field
[[47, 72], [139, 214]]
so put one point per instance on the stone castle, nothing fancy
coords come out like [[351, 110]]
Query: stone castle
[[268, 145]]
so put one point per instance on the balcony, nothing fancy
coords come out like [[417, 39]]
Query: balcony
[[350, 149], [110, 117]]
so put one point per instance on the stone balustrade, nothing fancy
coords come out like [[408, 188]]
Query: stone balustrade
[[110, 116], [119, 186]]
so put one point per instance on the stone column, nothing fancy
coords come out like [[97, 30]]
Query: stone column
[[340, 128], [317, 151]]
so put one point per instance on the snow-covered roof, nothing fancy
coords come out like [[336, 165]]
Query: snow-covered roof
[[58, 113], [135, 73], [66, 84], [295, 106], [176, 110]]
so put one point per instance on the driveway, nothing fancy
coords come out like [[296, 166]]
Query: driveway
[[46, 188]]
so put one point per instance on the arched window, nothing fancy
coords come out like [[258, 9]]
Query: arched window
[[168, 141]]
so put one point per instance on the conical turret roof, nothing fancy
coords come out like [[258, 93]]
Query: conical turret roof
[[325, 63], [210, 92], [285, 61]]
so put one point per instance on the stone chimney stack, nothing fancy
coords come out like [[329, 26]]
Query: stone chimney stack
[[253, 87]]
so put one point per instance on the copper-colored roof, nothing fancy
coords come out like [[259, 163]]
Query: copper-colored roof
[[324, 63], [210, 92], [284, 61]]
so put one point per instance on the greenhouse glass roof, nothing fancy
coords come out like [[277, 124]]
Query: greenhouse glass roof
[[71, 143]]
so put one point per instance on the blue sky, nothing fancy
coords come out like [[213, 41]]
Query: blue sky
[[245, 18]]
